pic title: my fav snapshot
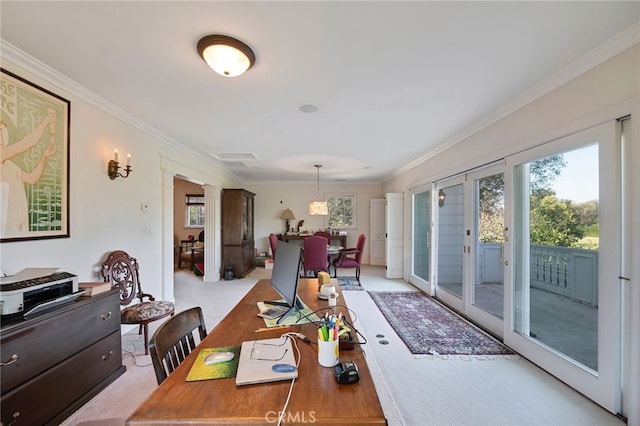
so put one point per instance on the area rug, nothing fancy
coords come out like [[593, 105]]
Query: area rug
[[349, 283], [428, 327]]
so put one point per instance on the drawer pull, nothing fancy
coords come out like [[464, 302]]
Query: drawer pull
[[106, 317], [13, 359], [106, 357], [15, 418]]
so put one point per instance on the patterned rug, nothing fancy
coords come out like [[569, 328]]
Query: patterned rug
[[428, 327], [349, 283]]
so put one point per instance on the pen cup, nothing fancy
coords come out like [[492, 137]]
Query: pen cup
[[328, 353]]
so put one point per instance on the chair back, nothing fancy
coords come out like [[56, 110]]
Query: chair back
[[121, 270], [315, 254], [325, 235], [174, 340], [273, 242], [362, 238]]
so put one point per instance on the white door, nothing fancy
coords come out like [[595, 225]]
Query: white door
[[394, 225], [376, 232], [563, 311]]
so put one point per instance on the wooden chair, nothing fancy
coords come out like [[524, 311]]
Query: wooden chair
[[351, 257], [121, 270], [174, 340], [192, 253]]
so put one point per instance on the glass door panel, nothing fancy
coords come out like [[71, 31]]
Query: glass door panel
[[488, 277], [451, 232], [421, 237], [566, 317]]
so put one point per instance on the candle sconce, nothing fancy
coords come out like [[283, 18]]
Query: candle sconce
[[113, 167]]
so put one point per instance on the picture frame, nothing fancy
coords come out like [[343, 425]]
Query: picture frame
[[34, 164]]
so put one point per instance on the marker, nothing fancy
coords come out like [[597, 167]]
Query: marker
[[280, 327]]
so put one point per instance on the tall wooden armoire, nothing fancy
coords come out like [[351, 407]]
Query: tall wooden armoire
[[237, 232]]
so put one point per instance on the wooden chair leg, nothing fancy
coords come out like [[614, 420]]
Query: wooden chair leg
[[146, 338]]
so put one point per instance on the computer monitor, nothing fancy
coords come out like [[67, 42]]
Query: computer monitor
[[284, 277]]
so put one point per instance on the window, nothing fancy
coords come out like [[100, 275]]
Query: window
[[342, 210], [195, 211]]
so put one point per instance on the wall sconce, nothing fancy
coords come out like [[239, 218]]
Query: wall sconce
[[441, 197], [113, 167], [287, 215]]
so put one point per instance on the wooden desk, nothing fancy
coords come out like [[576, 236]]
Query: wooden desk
[[317, 398], [341, 238]]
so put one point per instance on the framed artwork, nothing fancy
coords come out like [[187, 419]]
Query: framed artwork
[[34, 150]]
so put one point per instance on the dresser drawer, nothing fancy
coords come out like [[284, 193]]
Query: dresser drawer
[[43, 342], [41, 399]]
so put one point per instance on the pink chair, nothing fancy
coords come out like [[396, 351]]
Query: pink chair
[[273, 242], [351, 257], [325, 235], [316, 257]]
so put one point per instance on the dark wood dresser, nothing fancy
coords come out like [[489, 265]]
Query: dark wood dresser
[[56, 361]]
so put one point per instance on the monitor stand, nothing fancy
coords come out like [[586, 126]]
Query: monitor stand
[[298, 305]]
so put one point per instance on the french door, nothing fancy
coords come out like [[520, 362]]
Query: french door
[[564, 292], [421, 239], [469, 212]]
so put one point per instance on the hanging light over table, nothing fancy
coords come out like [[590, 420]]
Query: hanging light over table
[[318, 208]]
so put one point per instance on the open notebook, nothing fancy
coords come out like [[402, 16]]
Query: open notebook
[[257, 358]]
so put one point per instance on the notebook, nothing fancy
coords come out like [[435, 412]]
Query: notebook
[[257, 358]]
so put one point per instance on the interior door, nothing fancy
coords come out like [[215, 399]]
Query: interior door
[[376, 233], [394, 226], [566, 311]]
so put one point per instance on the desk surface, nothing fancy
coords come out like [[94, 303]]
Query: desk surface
[[316, 397]]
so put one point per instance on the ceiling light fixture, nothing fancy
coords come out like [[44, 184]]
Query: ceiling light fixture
[[318, 208], [226, 55]]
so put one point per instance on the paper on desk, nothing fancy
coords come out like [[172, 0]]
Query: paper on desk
[[303, 316], [27, 274]]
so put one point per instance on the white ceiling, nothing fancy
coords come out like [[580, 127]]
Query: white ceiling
[[393, 80]]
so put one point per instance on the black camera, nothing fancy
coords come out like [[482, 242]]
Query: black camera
[[346, 372]]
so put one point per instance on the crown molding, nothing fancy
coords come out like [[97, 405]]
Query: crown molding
[[607, 50], [54, 77]]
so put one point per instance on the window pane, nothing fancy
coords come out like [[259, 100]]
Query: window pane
[[195, 216], [341, 211]]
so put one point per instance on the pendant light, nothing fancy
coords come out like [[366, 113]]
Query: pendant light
[[318, 208]]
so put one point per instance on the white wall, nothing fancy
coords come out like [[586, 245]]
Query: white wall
[[272, 198], [105, 215]]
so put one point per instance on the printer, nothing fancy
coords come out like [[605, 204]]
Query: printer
[[29, 292]]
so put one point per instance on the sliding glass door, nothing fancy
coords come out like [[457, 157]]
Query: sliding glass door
[[566, 299], [421, 239]]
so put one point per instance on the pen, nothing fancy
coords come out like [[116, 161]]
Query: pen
[[280, 327]]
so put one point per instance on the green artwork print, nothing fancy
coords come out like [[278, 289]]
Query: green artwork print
[[34, 167]]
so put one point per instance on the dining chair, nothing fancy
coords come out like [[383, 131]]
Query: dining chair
[[273, 243], [175, 339], [315, 255], [351, 257], [325, 235], [122, 271]]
